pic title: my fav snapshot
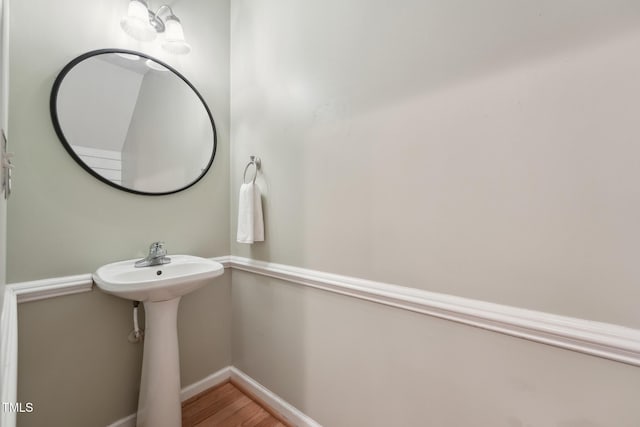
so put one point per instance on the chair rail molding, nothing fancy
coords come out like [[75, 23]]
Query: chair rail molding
[[609, 341], [613, 342]]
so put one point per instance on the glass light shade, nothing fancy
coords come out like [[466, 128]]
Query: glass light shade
[[136, 23], [155, 66], [174, 37], [129, 56]]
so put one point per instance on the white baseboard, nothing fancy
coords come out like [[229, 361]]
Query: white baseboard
[[206, 383], [129, 421], [275, 402]]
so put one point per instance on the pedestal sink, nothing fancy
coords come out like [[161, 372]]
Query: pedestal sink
[[160, 289]]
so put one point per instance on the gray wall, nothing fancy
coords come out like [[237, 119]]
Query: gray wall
[[350, 363], [63, 221], [481, 149], [484, 150]]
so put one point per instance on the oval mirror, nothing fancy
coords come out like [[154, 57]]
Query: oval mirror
[[133, 122]]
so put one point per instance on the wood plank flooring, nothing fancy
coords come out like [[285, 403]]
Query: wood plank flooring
[[226, 406]]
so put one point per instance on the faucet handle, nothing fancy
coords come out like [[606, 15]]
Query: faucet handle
[[157, 249]]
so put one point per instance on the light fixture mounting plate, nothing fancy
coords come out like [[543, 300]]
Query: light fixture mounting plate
[[156, 22]]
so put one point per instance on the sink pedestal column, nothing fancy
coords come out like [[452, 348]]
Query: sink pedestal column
[[159, 402]]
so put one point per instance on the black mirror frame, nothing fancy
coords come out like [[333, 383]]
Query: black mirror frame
[[56, 124]]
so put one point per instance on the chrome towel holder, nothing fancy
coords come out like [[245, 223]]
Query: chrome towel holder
[[255, 161]]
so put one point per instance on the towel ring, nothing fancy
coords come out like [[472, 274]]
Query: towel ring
[[255, 161]]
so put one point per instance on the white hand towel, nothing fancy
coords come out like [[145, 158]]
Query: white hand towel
[[250, 222]]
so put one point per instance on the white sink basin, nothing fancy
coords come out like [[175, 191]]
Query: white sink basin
[[184, 274], [160, 287]]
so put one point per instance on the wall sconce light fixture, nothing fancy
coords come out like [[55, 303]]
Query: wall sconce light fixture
[[144, 25]]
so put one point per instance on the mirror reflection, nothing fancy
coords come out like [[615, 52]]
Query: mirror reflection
[[133, 122]]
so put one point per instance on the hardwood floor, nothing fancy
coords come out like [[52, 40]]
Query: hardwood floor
[[227, 406]]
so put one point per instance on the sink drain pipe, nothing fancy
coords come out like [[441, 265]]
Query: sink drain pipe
[[137, 334]]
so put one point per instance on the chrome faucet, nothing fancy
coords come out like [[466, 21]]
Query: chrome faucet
[[157, 256]]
